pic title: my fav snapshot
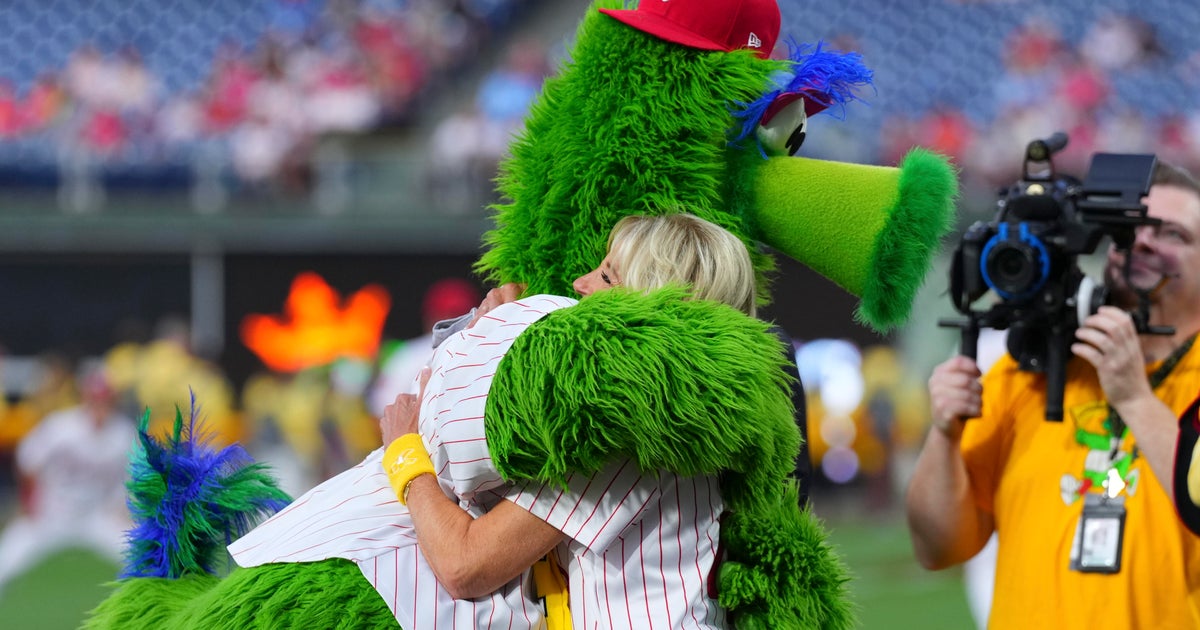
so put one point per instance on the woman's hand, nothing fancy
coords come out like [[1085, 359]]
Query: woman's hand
[[403, 416], [500, 295]]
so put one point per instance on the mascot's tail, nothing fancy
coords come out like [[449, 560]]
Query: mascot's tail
[[188, 501]]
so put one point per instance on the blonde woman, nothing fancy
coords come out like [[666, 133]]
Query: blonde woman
[[615, 530], [458, 546]]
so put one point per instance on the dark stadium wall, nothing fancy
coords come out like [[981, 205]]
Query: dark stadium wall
[[809, 306], [82, 305]]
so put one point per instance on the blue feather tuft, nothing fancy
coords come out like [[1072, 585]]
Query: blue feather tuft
[[828, 76], [189, 500]]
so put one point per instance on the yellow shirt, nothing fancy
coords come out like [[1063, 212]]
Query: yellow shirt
[[1030, 474]]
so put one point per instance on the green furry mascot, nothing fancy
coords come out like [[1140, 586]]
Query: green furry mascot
[[671, 105]]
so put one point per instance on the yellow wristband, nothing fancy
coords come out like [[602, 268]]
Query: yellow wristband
[[404, 460]]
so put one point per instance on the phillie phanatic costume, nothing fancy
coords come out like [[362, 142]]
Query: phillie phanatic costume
[[669, 106]]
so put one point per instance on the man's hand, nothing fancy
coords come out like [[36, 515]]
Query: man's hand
[[1109, 341], [954, 395], [404, 415], [500, 295]]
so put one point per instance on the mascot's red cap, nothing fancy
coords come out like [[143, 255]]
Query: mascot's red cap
[[707, 24]]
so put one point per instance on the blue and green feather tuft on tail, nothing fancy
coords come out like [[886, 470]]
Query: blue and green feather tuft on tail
[[189, 499]]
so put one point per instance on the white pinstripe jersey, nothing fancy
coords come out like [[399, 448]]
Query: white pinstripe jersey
[[640, 547], [356, 516]]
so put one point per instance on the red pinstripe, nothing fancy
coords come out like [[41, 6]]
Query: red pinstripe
[[671, 516]]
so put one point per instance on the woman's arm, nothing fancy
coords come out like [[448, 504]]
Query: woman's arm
[[470, 557]]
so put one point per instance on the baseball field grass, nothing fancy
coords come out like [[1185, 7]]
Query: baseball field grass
[[892, 591]]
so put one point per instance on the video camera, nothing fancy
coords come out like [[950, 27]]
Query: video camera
[[1028, 256]]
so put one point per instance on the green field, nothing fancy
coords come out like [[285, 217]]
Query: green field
[[891, 590], [57, 593]]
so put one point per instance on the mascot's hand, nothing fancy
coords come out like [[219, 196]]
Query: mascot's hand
[[740, 585], [784, 131]]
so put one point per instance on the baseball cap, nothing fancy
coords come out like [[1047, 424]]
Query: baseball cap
[[707, 24], [814, 104]]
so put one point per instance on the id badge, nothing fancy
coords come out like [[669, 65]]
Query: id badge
[[1100, 535]]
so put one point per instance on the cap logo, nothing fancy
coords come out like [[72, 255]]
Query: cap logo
[[754, 41]]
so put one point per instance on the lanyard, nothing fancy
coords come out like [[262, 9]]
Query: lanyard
[[1114, 426]]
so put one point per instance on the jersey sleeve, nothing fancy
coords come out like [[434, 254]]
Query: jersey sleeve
[[593, 510]]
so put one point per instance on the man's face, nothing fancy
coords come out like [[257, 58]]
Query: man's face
[[1167, 254]]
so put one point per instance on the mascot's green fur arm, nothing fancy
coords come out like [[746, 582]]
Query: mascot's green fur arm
[[631, 125], [668, 382], [327, 594], [687, 386]]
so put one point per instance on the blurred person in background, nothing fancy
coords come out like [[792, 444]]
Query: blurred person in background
[[72, 476], [159, 375], [445, 299], [1089, 536], [52, 389]]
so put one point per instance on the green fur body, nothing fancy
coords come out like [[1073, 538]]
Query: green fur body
[[326, 595], [695, 388], [632, 125]]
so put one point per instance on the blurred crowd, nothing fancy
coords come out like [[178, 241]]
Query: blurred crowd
[[466, 147], [318, 67], [1100, 89], [356, 66]]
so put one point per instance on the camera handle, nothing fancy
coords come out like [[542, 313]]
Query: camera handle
[[1056, 375], [1056, 360], [969, 327], [1141, 317]]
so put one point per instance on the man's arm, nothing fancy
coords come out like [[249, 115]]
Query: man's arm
[[1109, 341], [945, 524]]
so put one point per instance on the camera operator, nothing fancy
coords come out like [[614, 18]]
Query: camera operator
[[1089, 535]]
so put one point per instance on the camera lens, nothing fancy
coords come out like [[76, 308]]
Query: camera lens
[[1012, 268]]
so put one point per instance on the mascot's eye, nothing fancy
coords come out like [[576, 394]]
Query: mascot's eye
[[795, 141], [785, 131]]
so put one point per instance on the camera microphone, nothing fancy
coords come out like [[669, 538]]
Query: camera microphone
[[1041, 150]]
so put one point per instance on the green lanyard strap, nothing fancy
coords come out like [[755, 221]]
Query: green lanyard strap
[[1114, 425]]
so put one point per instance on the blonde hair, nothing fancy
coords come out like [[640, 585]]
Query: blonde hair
[[653, 251]]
